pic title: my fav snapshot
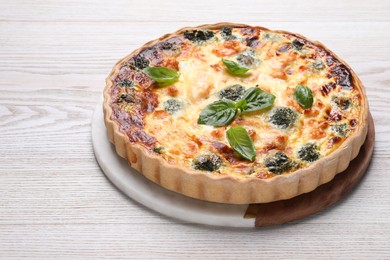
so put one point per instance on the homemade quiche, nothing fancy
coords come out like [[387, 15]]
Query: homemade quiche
[[235, 114]]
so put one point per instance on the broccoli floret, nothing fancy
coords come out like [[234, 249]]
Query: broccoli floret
[[245, 60], [283, 117], [169, 46], [269, 36], [140, 62], [126, 83], [172, 105], [266, 36], [128, 98], [207, 162], [166, 45], [308, 152], [341, 102], [234, 92], [226, 33], [318, 65], [297, 44], [340, 130], [198, 36], [279, 163], [158, 149]]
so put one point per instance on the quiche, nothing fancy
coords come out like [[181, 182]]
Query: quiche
[[235, 114]]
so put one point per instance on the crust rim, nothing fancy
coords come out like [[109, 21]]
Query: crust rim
[[231, 189]]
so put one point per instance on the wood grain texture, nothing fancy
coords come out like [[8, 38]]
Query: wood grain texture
[[56, 203]]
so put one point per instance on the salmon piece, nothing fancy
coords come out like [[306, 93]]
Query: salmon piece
[[173, 91], [279, 75], [161, 114], [317, 133], [317, 129], [281, 142], [252, 134], [216, 67], [229, 48], [218, 133], [190, 149], [311, 112], [172, 64], [200, 56]]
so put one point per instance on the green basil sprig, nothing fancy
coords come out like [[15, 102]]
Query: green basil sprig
[[218, 113], [223, 112], [241, 105], [303, 96], [241, 142], [234, 68], [257, 99], [163, 76]]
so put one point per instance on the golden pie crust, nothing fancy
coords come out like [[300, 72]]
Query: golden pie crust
[[227, 188]]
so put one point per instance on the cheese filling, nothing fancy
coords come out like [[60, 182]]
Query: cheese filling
[[277, 64]]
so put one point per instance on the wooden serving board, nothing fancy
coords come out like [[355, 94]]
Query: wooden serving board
[[178, 206], [280, 212]]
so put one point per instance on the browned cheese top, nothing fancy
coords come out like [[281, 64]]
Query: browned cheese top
[[286, 136]]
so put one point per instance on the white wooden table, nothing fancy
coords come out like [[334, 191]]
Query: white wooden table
[[55, 202]]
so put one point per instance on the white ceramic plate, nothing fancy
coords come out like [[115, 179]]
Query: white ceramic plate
[[171, 204]]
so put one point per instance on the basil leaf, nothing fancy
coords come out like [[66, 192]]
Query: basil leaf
[[297, 44], [234, 68], [241, 142], [218, 113], [241, 104], [163, 76], [303, 96], [257, 99], [318, 65]]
